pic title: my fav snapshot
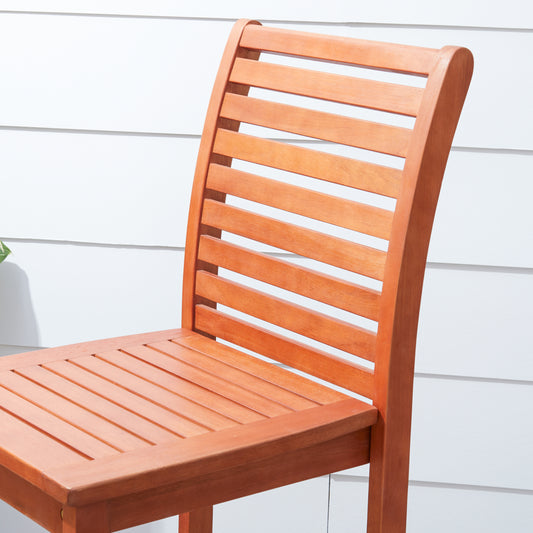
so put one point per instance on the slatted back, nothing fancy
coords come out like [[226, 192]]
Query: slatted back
[[314, 194]]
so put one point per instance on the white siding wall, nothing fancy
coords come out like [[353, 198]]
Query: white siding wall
[[102, 107]]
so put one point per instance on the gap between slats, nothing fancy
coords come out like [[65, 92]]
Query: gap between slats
[[132, 401], [114, 412], [55, 427], [319, 206], [252, 364], [371, 177], [338, 334], [239, 376], [190, 408], [383, 138], [76, 415], [320, 364], [300, 280], [217, 383], [335, 251], [382, 96]]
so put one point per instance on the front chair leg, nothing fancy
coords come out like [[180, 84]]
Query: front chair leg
[[89, 519], [197, 521]]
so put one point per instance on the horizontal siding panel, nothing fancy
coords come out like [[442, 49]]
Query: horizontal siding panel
[[513, 14], [471, 433], [298, 507], [476, 323], [439, 509], [139, 74], [61, 294], [116, 74], [9, 349], [484, 214], [135, 190], [97, 188]]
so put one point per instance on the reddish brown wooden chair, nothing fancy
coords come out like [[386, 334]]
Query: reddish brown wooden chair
[[105, 435]]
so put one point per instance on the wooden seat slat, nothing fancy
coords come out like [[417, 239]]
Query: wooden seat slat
[[79, 417], [317, 164], [343, 373], [286, 275], [245, 379], [294, 199], [137, 395], [50, 425], [374, 136], [334, 251], [61, 353], [293, 317], [383, 96], [20, 440], [242, 393], [191, 409], [100, 405], [303, 387]]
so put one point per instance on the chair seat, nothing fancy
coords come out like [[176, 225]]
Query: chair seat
[[107, 419]]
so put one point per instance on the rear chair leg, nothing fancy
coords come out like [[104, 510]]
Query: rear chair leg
[[197, 521]]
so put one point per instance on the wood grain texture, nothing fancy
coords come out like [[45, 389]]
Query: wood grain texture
[[415, 60], [332, 87], [118, 432], [281, 273], [296, 239], [327, 208], [319, 363], [392, 140], [197, 521], [314, 163]]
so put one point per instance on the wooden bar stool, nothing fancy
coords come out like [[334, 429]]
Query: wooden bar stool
[[316, 185]]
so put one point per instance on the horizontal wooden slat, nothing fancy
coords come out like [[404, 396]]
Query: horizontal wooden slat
[[173, 392], [72, 350], [39, 450], [77, 416], [212, 381], [309, 389], [383, 138], [362, 92], [210, 363], [311, 324], [185, 402], [301, 280], [293, 353], [115, 413], [332, 250], [52, 426], [144, 398], [402, 58], [319, 206], [342, 170]]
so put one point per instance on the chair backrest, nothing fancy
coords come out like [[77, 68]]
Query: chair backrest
[[316, 185]]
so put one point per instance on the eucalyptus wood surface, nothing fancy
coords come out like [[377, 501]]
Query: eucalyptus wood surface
[[105, 435]]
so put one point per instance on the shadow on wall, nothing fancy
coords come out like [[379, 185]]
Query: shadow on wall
[[18, 325]]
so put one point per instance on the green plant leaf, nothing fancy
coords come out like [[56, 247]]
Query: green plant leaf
[[4, 251]]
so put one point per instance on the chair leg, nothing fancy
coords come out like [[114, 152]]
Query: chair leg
[[197, 521], [90, 519], [387, 493]]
